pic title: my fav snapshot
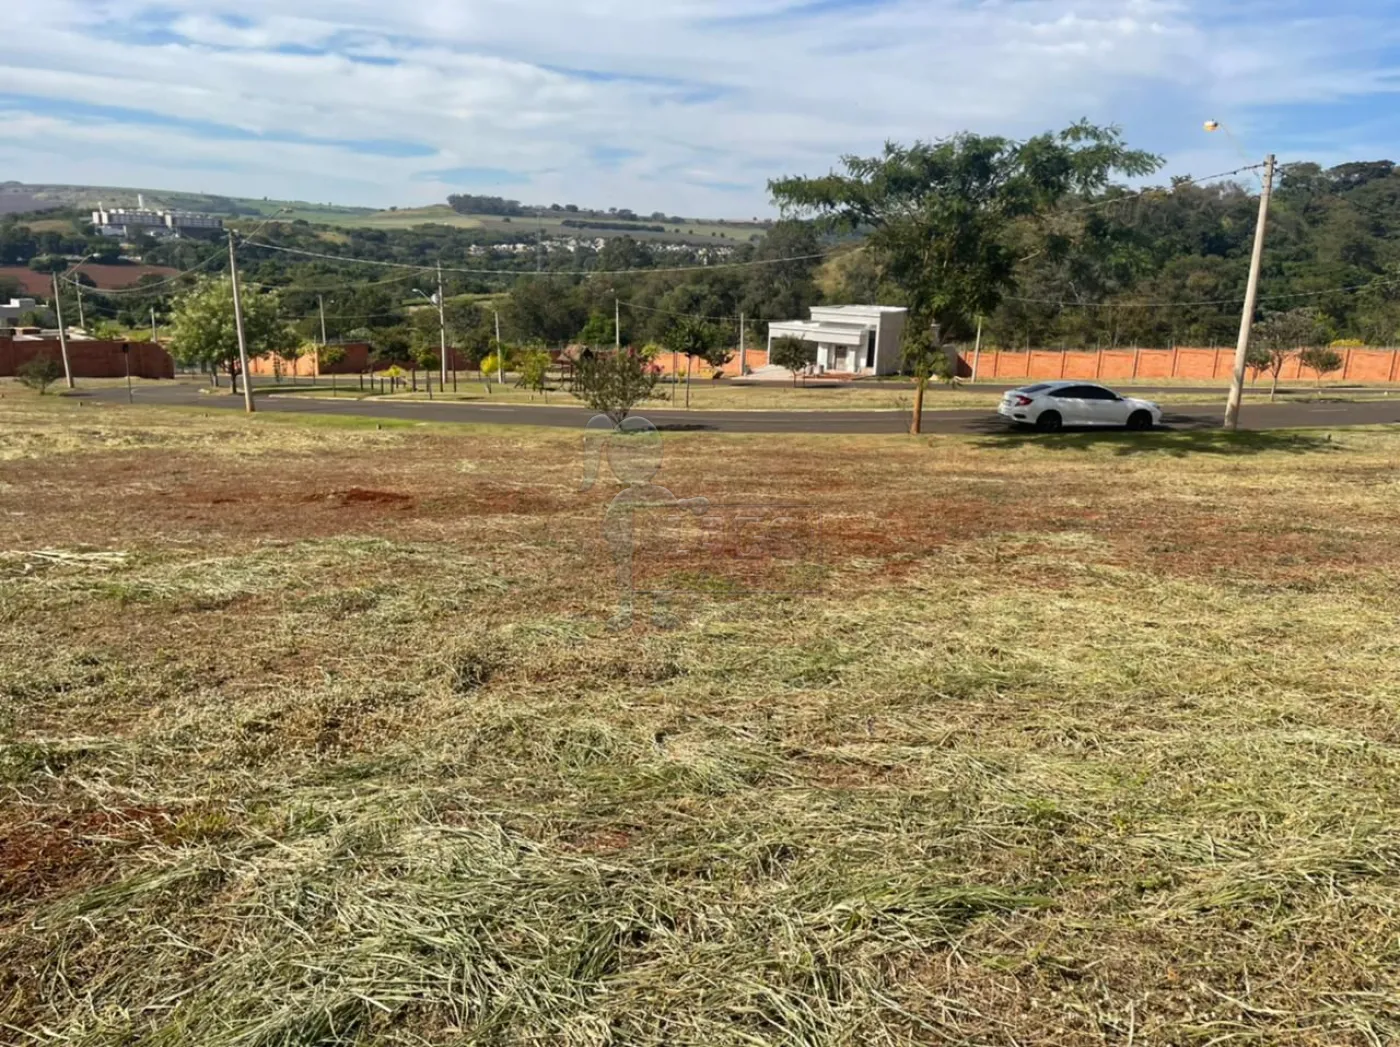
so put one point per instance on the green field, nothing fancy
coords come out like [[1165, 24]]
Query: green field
[[699, 232], [327, 734]]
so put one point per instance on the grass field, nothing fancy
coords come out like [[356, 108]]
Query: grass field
[[315, 734]]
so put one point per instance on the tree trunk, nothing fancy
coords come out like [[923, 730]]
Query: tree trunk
[[1273, 388], [916, 424], [233, 378]]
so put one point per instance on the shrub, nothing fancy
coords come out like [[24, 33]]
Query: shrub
[[40, 373]]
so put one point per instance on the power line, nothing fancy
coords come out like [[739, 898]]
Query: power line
[[672, 312]]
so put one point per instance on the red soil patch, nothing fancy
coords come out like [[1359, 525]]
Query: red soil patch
[[106, 277], [38, 859]]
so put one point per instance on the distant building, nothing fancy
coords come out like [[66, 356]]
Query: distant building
[[127, 223], [17, 307], [850, 339]]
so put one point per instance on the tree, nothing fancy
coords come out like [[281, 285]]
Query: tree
[[599, 331], [614, 381], [39, 373], [203, 332], [1320, 360], [796, 354], [534, 371], [696, 337], [939, 213], [1278, 337]]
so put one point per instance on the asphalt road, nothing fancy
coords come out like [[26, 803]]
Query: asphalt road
[[1323, 414]]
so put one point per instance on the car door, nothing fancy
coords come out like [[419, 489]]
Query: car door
[[1106, 406], [1074, 408]]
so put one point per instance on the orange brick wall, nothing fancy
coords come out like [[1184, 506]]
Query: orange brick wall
[[89, 359], [754, 359], [1205, 365]]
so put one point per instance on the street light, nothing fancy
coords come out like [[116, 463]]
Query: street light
[[437, 299]]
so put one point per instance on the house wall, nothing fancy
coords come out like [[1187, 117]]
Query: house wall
[[89, 359], [888, 352]]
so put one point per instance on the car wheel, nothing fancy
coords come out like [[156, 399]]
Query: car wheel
[[1050, 422], [1140, 421]]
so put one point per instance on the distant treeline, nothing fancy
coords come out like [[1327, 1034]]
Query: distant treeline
[[631, 227], [465, 203]]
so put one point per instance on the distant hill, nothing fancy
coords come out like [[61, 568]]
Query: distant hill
[[83, 197], [554, 220]]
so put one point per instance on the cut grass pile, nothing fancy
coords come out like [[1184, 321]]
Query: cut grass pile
[[315, 735]]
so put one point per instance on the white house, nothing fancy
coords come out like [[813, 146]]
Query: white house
[[850, 339], [17, 307]]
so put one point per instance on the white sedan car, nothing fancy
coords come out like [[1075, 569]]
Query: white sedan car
[[1051, 406]]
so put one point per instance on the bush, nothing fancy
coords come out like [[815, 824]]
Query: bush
[[612, 382], [40, 373]]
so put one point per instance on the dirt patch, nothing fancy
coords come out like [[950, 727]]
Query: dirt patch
[[366, 496]]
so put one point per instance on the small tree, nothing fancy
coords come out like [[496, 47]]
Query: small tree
[[795, 354], [1320, 360], [40, 373], [534, 371], [1278, 337], [202, 329], [614, 381]]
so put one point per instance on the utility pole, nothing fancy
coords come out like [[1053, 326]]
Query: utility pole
[[126, 358], [238, 322], [153, 325], [617, 320], [321, 301], [62, 334], [1251, 300], [82, 320], [977, 352], [743, 349], [500, 351], [442, 330]]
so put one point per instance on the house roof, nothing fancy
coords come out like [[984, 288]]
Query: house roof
[[815, 331]]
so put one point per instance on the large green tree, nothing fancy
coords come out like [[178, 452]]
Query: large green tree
[[203, 332], [939, 214]]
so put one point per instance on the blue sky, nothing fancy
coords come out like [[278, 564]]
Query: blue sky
[[685, 106]]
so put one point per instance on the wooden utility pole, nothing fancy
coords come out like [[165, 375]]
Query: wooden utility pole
[[62, 334], [238, 323], [1251, 301]]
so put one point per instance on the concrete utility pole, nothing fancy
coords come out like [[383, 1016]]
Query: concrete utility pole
[[617, 320], [321, 303], [62, 334], [977, 351], [743, 349], [82, 320], [442, 329], [153, 325], [238, 323], [500, 351], [1251, 300]]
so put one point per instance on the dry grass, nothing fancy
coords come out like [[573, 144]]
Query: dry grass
[[315, 735]]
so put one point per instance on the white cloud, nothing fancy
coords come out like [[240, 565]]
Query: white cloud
[[707, 93]]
